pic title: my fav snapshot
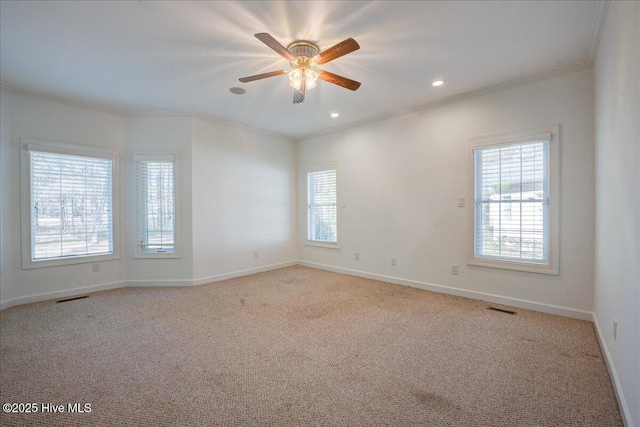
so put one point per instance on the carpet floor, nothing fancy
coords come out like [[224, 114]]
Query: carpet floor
[[299, 347]]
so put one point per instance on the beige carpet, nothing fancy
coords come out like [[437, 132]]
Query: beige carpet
[[300, 347]]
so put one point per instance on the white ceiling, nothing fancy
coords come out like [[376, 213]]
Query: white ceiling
[[182, 57]]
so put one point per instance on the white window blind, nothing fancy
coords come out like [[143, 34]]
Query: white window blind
[[156, 205], [322, 209], [511, 186], [71, 205]]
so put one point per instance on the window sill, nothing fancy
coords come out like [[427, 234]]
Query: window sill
[[60, 262], [322, 244], [516, 266], [157, 255]]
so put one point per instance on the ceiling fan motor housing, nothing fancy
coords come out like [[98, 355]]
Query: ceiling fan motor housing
[[303, 49]]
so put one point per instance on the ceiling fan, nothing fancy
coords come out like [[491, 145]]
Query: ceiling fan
[[304, 56]]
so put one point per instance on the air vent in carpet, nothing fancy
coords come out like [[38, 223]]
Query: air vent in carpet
[[501, 310], [73, 298]]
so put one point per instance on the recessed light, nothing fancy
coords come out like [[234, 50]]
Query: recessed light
[[237, 90], [437, 83], [334, 115]]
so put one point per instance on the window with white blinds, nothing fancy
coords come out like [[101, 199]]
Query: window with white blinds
[[156, 194], [69, 194], [322, 207], [513, 203]]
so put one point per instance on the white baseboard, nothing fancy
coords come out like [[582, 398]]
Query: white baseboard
[[225, 276], [140, 283], [61, 294], [622, 403], [209, 279], [159, 283], [515, 302], [530, 305]]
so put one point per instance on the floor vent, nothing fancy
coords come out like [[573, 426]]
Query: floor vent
[[501, 310], [73, 298]]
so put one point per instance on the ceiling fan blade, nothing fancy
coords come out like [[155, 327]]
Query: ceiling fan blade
[[339, 80], [298, 94], [341, 49], [275, 45], [262, 76]]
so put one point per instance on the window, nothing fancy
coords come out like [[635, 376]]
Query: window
[[515, 193], [322, 206], [156, 204], [69, 199]]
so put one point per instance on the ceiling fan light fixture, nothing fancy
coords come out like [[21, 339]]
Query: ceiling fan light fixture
[[310, 76], [295, 78], [297, 75]]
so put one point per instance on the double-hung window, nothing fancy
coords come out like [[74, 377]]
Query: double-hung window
[[155, 175], [515, 193], [322, 206], [69, 203]]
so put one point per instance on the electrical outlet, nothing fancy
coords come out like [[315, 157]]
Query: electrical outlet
[[454, 269], [95, 268], [615, 329], [255, 254], [394, 261], [357, 256], [461, 202]]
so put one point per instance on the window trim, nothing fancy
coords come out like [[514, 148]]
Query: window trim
[[317, 167], [27, 145], [155, 155], [507, 138]]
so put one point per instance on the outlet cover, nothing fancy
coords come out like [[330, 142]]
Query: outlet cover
[[454, 269]]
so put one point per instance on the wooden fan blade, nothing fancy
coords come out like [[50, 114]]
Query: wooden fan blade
[[262, 76], [275, 45], [341, 49], [298, 94], [339, 80]]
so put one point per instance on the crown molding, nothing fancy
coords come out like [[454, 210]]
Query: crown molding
[[61, 99], [597, 28], [132, 113], [580, 66], [241, 125], [210, 118]]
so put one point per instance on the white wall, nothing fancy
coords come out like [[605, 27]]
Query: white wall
[[33, 117], [400, 178], [244, 200], [162, 132], [6, 136], [617, 255]]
